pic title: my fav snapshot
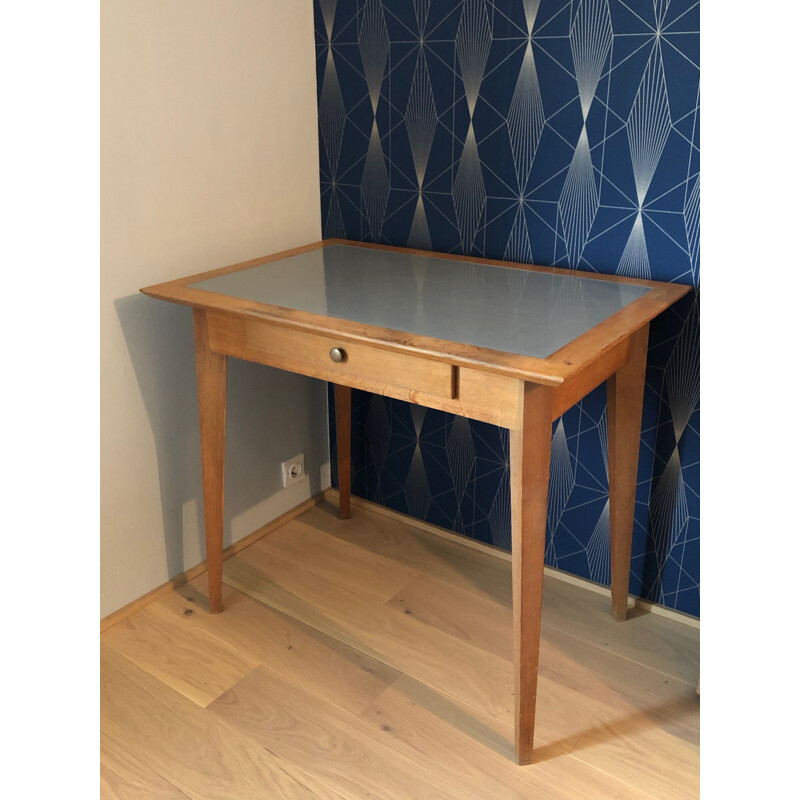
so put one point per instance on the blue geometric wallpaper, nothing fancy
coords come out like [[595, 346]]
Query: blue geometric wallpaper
[[555, 132]]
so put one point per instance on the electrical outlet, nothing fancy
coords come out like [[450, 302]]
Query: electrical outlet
[[294, 470]]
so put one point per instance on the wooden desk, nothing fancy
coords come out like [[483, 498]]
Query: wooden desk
[[510, 344]]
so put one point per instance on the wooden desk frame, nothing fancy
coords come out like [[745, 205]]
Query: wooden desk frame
[[521, 393]]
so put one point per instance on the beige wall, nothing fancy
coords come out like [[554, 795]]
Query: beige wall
[[208, 157]]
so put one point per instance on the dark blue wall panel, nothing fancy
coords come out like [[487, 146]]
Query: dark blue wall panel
[[550, 132]]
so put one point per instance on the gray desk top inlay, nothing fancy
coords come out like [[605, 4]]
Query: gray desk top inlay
[[506, 309]]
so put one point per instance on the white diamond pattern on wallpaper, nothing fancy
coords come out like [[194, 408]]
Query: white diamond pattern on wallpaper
[[649, 123], [417, 489], [602, 432], [460, 455], [373, 44], [635, 262], [590, 39], [334, 224], [525, 118], [562, 477], [500, 513], [328, 8], [531, 9], [421, 117], [579, 200], [598, 550], [473, 40], [469, 192], [682, 374], [519, 244], [660, 7], [375, 184], [691, 214], [332, 114], [379, 431], [421, 9], [669, 512], [418, 418], [419, 236]]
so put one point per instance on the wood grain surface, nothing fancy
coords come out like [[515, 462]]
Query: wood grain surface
[[369, 658]]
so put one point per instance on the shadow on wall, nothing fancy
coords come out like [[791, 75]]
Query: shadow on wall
[[263, 428]]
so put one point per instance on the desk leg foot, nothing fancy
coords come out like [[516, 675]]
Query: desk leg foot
[[625, 397], [342, 396], [212, 375], [530, 475]]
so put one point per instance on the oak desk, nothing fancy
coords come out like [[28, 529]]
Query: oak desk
[[510, 344]]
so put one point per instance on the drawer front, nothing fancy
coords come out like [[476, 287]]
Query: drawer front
[[362, 366]]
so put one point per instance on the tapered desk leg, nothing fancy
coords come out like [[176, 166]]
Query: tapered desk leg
[[625, 396], [342, 402], [212, 373], [530, 475]]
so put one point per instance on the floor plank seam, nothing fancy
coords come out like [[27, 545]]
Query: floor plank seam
[[610, 723], [369, 652], [151, 767], [601, 648], [390, 747]]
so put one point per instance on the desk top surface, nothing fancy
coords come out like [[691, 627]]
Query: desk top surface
[[536, 323], [511, 310]]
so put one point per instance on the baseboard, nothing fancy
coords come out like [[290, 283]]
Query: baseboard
[[332, 495], [190, 574]]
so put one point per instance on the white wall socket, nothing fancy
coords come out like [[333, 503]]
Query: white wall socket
[[294, 470]]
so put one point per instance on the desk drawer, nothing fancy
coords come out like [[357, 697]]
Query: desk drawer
[[362, 366]]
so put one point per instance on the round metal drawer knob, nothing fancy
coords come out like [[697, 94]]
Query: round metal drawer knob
[[337, 354]]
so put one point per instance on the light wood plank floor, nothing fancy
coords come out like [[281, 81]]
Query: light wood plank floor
[[370, 659]]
